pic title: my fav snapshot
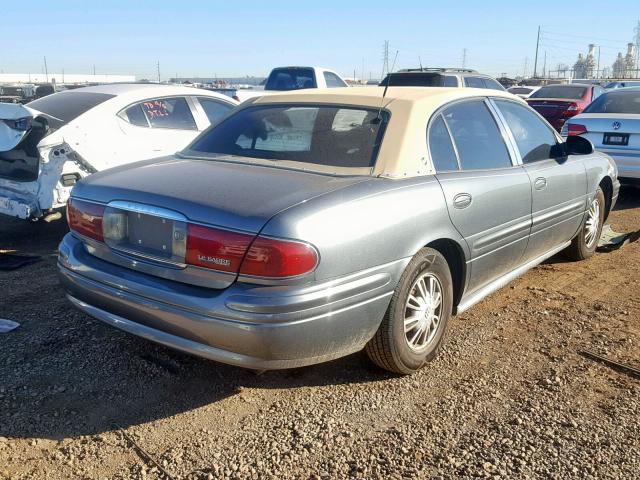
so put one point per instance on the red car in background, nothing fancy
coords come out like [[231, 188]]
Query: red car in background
[[558, 103]]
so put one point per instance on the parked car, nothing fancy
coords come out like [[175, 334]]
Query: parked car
[[557, 103], [440, 77], [309, 225], [49, 144], [621, 84], [612, 124], [289, 78], [522, 91]]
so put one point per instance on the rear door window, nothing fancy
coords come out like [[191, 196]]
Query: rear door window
[[476, 135], [333, 81], [440, 147], [169, 113], [449, 81], [135, 116], [492, 84], [533, 136], [474, 82], [214, 109]]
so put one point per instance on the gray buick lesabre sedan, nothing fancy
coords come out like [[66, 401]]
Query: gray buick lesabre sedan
[[309, 225]]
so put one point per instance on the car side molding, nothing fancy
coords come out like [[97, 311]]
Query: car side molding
[[475, 297]]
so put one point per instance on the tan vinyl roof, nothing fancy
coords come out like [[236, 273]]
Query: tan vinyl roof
[[404, 149]]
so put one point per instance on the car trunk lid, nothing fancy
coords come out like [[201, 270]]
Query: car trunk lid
[[612, 133], [192, 214], [230, 194], [551, 108]]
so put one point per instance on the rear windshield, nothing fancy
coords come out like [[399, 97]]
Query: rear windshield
[[560, 91], [314, 134], [616, 102], [68, 105], [522, 90], [291, 79], [419, 80]]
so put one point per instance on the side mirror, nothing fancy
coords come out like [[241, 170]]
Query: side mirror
[[577, 145]]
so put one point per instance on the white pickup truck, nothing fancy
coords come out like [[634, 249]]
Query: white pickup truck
[[288, 78]]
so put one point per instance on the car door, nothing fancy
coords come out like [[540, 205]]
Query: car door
[[488, 196], [559, 185], [155, 127]]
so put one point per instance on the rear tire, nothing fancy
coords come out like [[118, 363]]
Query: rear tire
[[414, 326], [585, 243]]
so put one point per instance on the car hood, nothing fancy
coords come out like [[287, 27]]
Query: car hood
[[11, 137], [217, 192]]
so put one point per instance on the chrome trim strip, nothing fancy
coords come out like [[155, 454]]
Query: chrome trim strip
[[147, 210], [497, 284]]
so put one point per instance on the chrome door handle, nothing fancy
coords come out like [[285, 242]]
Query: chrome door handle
[[540, 183], [462, 200]]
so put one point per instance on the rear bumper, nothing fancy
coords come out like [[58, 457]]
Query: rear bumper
[[252, 326], [628, 162]]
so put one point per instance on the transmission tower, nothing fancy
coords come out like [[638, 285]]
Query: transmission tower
[[636, 40], [385, 59]]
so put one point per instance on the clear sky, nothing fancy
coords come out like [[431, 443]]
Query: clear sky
[[234, 38]]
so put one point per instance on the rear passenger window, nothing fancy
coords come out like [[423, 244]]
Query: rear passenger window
[[442, 153], [474, 82], [533, 137], [214, 109], [449, 81], [169, 113], [134, 115], [333, 81], [476, 136], [492, 84]]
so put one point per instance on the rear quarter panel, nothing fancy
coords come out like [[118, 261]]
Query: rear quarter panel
[[598, 166], [368, 224]]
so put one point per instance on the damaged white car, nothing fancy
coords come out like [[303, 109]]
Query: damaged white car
[[49, 144]]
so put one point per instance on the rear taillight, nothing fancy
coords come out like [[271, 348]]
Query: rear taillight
[[85, 218], [20, 124], [238, 252], [216, 249], [206, 247], [576, 129], [571, 110], [275, 258]]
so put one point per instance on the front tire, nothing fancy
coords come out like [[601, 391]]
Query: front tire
[[585, 243], [414, 326]]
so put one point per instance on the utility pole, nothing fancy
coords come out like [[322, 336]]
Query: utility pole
[[544, 68], [158, 67], [526, 64], [46, 70], [464, 58], [535, 63], [598, 65], [94, 69]]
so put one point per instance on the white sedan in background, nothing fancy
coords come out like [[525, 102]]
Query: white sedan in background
[[49, 144], [612, 123], [522, 91]]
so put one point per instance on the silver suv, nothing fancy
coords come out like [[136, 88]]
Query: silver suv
[[440, 77]]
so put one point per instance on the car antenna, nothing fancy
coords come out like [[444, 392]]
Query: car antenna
[[386, 86]]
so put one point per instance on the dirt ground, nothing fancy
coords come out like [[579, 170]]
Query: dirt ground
[[509, 397]]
